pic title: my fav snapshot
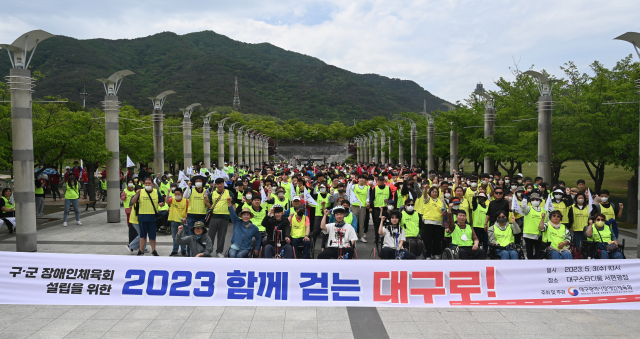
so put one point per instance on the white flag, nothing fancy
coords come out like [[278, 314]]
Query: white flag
[[354, 198], [590, 200], [515, 206], [189, 171], [263, 195], [130, 163], [549, 206], [183, 184], [293, 191], [410, 195], [309, 198], [182, 177]]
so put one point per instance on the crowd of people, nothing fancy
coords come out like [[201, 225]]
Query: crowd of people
[[286, 211]]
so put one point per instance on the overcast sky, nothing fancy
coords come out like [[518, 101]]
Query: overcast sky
[[445, 46]]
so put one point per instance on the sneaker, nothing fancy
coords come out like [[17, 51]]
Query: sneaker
[[220, 255], [363, 240], [365, 234], [64, 224], [436, 257], [420, 257], [173, 254], [140, 253], [184, 253], [129, 249], [146, 250], [427, 258], [155, 254], [78, 222]]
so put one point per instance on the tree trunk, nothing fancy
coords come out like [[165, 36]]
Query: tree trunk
[[632, 199]]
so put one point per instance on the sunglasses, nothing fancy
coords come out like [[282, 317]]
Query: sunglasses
[[498, 193], [599, 219], [410, 205], [555, 216]]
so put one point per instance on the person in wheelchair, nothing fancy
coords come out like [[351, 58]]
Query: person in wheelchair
[[604, 238], [501, 236], [342, 237], [463, 236], [243, 232], [557, 235], [300, 230], [392, 238], [411, 224], [278, 234]]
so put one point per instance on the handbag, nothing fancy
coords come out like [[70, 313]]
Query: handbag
[[610, 248], [208, 217], [159, 219]]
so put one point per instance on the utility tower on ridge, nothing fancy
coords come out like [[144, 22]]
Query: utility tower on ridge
[[83, 95], [236, 98]]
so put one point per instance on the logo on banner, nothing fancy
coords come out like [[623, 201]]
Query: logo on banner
[[573, 291]]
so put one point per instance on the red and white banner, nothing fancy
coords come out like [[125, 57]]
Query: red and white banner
[[77, 279]]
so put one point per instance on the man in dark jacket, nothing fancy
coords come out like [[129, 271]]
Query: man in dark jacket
[[495, 206], [278, 234]]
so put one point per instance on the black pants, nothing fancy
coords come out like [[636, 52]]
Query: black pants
[[533, 248], [334, 252], [366, 222], [466, 252], [218, 229], [432, 236], [316, 231], [55, 189], [9, 225], [518, 237], [483, 236], [389, 253], [376, 221]]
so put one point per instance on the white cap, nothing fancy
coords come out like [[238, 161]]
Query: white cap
[[558, 191], [295, 198]]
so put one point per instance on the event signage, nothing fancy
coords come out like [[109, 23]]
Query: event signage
[[78, 279]]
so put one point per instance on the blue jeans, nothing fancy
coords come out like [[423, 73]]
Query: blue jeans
[[192, 218], [76, 209], [238, 254], [305, 246], [606, 255], [561, 255], [507, 254], [577, 238], [174, 231], [270, 251], [135, 244]]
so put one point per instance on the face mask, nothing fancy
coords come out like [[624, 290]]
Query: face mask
[[573, 196], [389, 207], [280, 195], [506, 181], [148, 188], [130, 185], [370, 182], [447, 195], [323, 190], [514, 187], [135, 180], [482, 200], [455, 207], [581, 201], [604, 199], [509, 198], [434, 185], [341, 191], [410, 208], [474, 184], [535, 203], [178, 197], [501, 221], [519, 181], [173, 189], [300, 213], [198, 184], [519, 195], [558, 196], [248, 196], [600, 223], [528, 190], [484, 182]]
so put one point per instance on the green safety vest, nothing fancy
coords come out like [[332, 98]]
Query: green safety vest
[[555, 236], [361, 194], [319, 201], [348, 219], [39, 190], [532, 221], [166, 204], [505, 237], [7, 205], [411, 223], [604, 235], [230, 170], [381, 194], [258, 217], [72, 193], [164, 188], [480, 216], [127, 200], [103, 184], [456, 236]]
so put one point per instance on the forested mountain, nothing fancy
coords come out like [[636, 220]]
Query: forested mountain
[[201, 67]]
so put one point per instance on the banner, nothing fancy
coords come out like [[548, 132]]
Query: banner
[[78, 279]]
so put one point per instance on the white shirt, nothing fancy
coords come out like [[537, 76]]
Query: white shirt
[[340, 236], [389, 239]]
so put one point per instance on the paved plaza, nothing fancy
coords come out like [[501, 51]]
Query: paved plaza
[[95, 236]]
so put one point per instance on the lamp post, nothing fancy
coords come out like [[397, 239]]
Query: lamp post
[[383, 159], [240, 145], [634, 39], [453, 143], [414, 143], [112, 136], [400, 147], [20, 85], [545, 110], [232, 137], [221, 142], [431, 130], [158, 130], [206, 139], [489, 123], [247, 147], [186, 135]]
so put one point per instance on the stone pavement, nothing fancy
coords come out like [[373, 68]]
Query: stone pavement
[[95, 236]]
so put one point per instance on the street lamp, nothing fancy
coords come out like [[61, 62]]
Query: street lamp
[[21, 85], [112, 136], [186, 135], [634, 39], [158, 126], [489, 122]]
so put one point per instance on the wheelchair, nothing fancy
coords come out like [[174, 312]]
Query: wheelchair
[[590, 250], [251, 250], [493, 253], [451, 253], [298, 252]]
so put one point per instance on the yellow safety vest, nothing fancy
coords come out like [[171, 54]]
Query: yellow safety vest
[[103, 184], [284, 203], [580, 217], [604, 235], [133, 217], [532, 221], [456, 236], [320, 200], [563, 208], [431, 210], [39, 190], [381, 194], [166, 206], [196, 202], [480, 216], [298, 228], [7, 205], [503, 238], [146, 204], [127, 200], [411, 224], [72, 193], [221, 206], [178, 209], [287, 188], [361, 193], [555, 236], [164, 188], [258, 217], [608, 212]]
